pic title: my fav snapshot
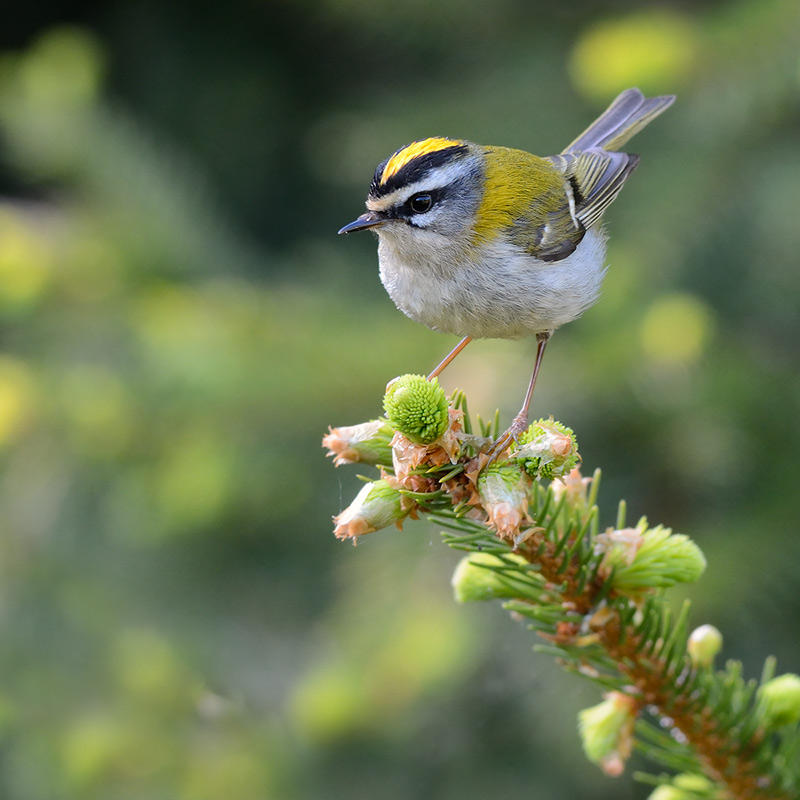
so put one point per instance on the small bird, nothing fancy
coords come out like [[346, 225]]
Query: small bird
[[491, 242]]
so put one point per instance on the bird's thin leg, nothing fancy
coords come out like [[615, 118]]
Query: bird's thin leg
[[520, 422], [450, 356], [542, 339]]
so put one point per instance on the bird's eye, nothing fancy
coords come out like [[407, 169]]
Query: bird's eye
[[420, 203]]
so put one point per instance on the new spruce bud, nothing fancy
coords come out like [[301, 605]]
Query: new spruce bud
[[576, 489], [484, 576], [367, 443], [503, 490], [779, 700], [685, 787], [547, 449], [703, 645], [376, 506], [668, 792], [639, 559], [607, 732], [417, 407]]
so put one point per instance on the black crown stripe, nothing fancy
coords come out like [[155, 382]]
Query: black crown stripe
[[415, 170]]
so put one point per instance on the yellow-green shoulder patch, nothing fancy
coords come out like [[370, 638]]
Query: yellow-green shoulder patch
[[519, 186], [415, 150]]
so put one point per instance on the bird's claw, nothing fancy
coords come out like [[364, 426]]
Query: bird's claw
[[507, 438]]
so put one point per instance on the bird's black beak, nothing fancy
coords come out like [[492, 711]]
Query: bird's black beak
[[369, 220]]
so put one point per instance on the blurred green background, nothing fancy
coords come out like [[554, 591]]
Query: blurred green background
[[180, 324]]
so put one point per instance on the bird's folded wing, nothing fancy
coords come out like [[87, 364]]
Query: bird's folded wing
[[595, 177]]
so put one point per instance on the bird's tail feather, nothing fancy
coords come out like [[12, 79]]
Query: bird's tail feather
[[625, 117]]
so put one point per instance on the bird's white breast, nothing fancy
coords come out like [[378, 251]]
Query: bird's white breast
[[496, 291]]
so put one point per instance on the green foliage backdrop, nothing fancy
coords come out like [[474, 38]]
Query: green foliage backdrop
[[180, 324]]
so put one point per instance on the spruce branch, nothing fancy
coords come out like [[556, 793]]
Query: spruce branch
[[529, 523]]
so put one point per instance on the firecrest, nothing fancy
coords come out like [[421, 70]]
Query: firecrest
[[490, 242]]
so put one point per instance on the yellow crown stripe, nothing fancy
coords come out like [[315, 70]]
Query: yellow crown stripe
[[412, 151]]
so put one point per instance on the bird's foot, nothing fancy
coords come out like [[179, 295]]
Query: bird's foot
[[508, 437]]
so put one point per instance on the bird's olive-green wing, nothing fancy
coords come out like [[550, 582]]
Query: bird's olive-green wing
[[555, 237], [595, 177], [553, 234], [591, 180], [593, 173]]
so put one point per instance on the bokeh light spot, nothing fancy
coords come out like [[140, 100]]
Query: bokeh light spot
[[25, 262], [194, 480], [97, 408], [654, 50], [64, 68], [88, 748], [150, 670], [676, 329], [328, 703], [224, 773], [17, 395]]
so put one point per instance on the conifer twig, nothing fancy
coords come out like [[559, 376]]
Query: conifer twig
[[528, 521]]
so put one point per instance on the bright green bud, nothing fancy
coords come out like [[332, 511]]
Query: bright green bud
[[367, 443], [417, 407], [477, 578], [643, 559], [693, 782], [779, 700], [703, 645], [376, 506], [503, 490], [547, 449], [685, 787], [607, 732], [669, 792]]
